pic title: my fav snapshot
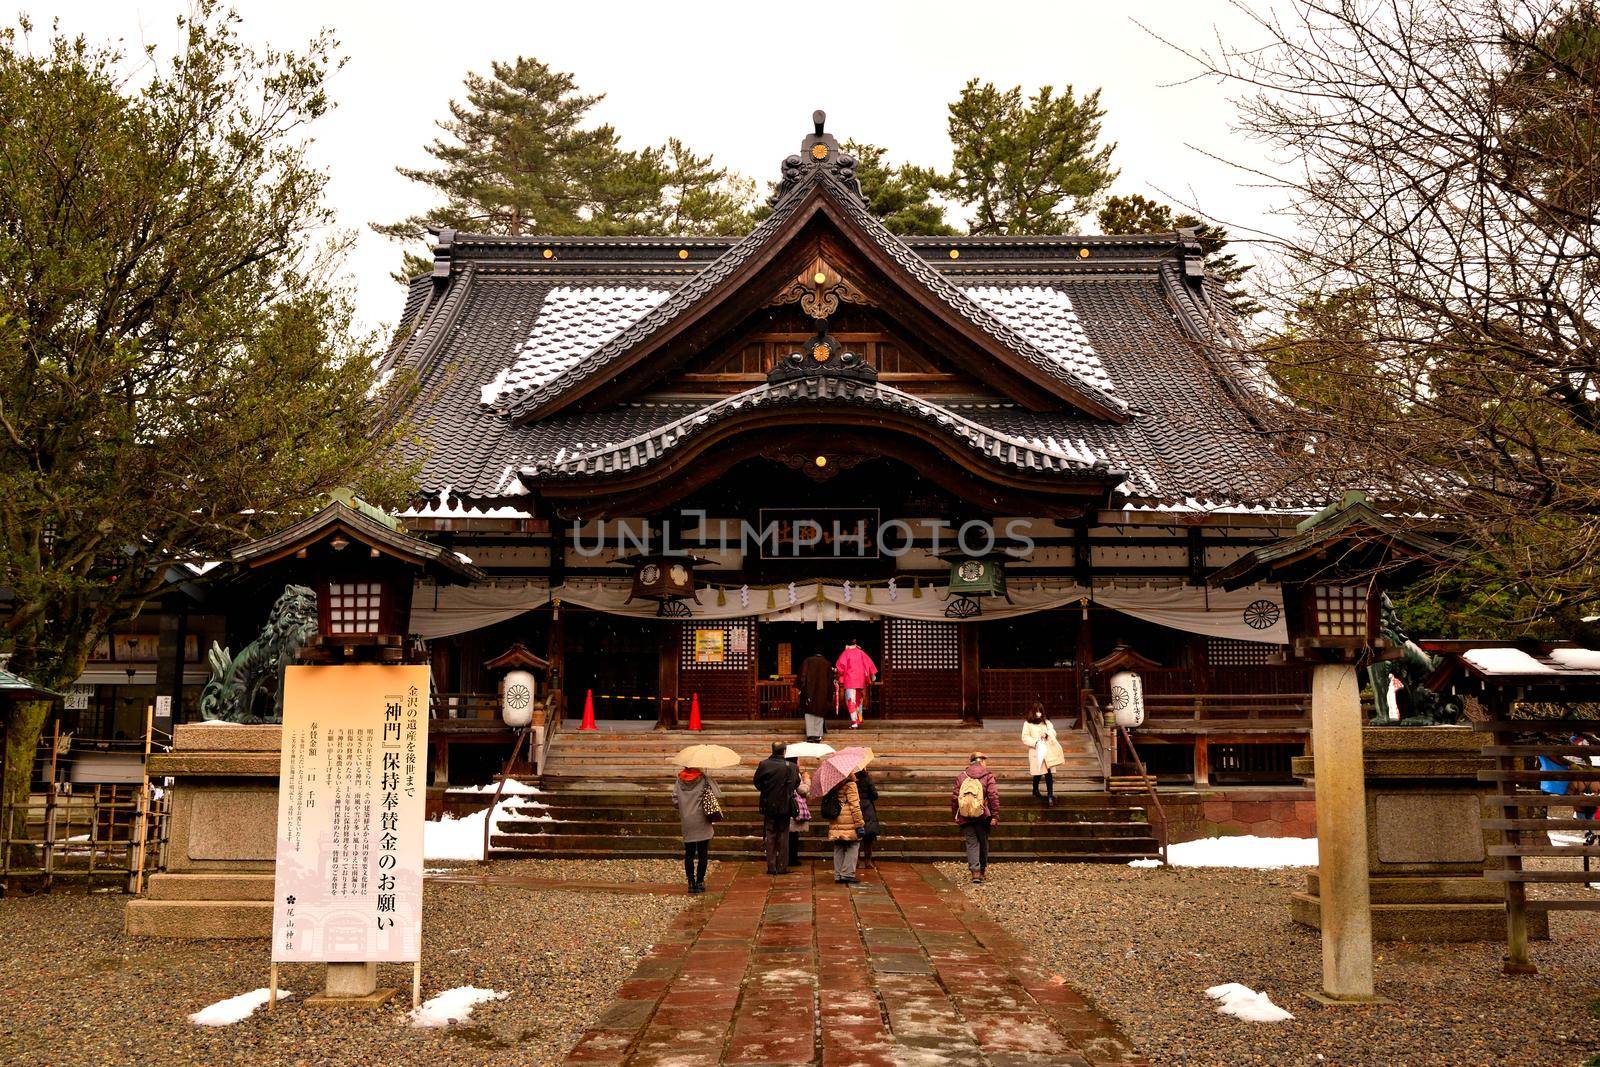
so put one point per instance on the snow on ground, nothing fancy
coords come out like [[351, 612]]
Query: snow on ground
[[1257, 853], [513, 788], [227, 1012], [450, 838], [451, 1007], [1245, 1003]]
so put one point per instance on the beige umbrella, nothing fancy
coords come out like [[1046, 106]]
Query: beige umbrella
[[807, 750], [707, 757]]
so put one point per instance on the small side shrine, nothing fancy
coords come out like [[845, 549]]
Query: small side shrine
[[360, 567]]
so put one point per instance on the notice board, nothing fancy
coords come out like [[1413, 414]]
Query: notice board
[[351, 789]]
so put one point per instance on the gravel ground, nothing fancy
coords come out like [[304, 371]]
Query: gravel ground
[[74, 990], [1146, 944]]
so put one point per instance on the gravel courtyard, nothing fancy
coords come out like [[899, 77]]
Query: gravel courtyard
[[1146, 944], [74, 990]]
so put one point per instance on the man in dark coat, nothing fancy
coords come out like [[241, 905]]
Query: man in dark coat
[[776, 780], [815, 683]]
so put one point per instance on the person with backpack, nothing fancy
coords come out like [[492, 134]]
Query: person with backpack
[[842, 807], [776, 779], [699, 804], [869, 816], [975, 803]]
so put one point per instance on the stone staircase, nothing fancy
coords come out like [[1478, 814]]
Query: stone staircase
[[605, 794]]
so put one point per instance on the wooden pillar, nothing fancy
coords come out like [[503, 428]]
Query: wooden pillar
[[971, 679], [1083, 658], [1341, 833], [1202, 761], [668, 659], [555, 653]]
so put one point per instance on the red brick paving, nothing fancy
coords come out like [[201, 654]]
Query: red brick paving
[[902, 969]]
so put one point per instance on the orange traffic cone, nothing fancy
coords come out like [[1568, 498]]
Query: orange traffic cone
[[694, 712], [588, 711]]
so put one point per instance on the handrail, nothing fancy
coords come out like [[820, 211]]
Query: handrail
[[1150, 788], [1095, 720]]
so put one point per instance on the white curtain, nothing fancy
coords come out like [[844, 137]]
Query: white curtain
[[1251, 614]]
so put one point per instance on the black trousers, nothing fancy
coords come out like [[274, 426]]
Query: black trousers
[[1049, 783], [794, 846], [775, 835], [695, 856]]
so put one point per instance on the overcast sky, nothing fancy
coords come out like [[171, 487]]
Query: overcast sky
[[739, 80]]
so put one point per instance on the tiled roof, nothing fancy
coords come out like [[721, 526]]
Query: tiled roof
[[995, 446], [1045, 318], [573, 322], [728, 264]]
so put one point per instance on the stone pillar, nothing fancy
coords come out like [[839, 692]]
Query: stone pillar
[[1341, 832]]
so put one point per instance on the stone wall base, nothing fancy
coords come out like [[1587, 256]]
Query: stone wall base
[[1286, 811]]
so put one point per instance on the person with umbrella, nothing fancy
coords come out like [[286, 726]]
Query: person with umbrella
[[699, 804], [835, 782], [776, 779], [975, 803], [797, 825]]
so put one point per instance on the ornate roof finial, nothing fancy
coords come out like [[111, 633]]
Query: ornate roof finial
[[820, 149]]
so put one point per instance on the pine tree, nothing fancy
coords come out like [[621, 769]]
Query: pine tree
[[899, 195], [1026, 166], [517, 157], [1136, 215]]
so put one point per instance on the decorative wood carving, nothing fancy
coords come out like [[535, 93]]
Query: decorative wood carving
[[819, 300]]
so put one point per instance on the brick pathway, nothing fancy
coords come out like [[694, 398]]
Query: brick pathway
[[901, 970]]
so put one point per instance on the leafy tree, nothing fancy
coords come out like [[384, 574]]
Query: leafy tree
[[1136, 215], [516, 157], [1026, 166], [175, 360], [899, 195]]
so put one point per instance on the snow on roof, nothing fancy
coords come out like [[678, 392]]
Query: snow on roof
[[1505, 661], [1046, 319], [573, 322], [1577, 659]]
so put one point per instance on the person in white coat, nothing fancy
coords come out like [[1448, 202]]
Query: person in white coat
[[1044, 751]]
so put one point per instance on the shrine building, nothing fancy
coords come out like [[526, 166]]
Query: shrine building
[[1004, 465]]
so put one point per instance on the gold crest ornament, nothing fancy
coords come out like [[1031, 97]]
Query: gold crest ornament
[[819, 151], [819, 352]]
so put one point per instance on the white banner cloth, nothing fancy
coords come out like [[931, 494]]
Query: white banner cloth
[[1251, 614]]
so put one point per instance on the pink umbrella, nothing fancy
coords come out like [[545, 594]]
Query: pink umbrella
[[837, 767]]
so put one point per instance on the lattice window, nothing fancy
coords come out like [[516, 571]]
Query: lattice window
[[353, 607], [919, 645], [1226, 652], [1341, 610], [718, 646]]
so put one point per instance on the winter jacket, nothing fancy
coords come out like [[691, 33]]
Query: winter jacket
[[855, 668], [689, 796], [816, 686], [991, 794], [848, 824], [804, 789], [1032, 734], [869, 803], [776, 780]]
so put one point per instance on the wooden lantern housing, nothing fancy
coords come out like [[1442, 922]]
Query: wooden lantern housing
[[666, 579]]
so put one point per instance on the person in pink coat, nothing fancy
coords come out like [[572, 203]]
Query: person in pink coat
[[855, 671]]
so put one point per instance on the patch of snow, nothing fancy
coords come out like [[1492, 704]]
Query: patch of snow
[[1255, 853], [235, 1009], [1245, 1003], [1505, 661], [437, 870], [452, 1007], [450, 838], [1578, 659], [513, 788]]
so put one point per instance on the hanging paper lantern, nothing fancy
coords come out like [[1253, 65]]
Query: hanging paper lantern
[[516, 699], [1127, 699]]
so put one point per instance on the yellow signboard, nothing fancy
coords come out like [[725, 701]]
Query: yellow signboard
[[710, 646], [352, 781]]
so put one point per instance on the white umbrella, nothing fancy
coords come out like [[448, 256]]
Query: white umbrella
[[807, 750]]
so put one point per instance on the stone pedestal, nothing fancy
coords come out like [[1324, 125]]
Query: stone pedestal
[[222, 836], [1426, 846]]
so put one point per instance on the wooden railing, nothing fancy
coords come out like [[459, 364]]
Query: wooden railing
[[1160, 823], [465, 706], [1524, 822], [1094, 720]]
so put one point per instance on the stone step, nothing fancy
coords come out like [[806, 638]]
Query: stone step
[[198, 918], [751, 845], [210, 887]]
